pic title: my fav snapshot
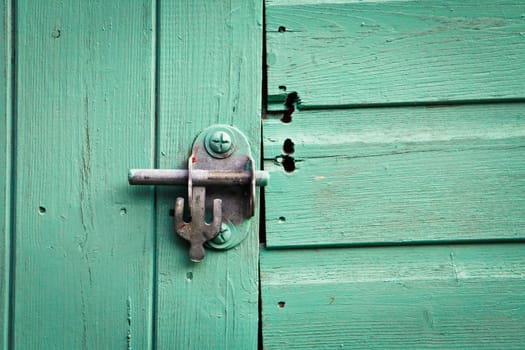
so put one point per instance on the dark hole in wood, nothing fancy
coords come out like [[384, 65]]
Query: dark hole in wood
[[281, 304], [288, 164], [282, 87], [287, 117], [288, 146], [290, 102], [282, 29], [41, 210]]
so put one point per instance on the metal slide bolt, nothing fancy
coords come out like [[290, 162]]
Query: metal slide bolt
[[221, 159]]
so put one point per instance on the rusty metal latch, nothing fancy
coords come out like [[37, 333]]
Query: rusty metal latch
[[221, 180]]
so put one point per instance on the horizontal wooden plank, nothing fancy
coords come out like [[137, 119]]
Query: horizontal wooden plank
[[396, 175], [335, 53], [446, 297]]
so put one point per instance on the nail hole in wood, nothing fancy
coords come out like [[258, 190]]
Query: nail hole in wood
[[41, 210], [288, 164], [189, 276], [290, 102], [282, 29], [281, 304], [287, 117], [288, 146]]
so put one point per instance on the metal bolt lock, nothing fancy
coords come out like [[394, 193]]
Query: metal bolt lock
[[221, 180]]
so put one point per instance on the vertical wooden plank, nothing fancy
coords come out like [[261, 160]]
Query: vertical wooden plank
[[209, 73], [85, 115], [5, 166]]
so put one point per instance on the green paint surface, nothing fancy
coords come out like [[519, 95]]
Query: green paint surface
[[84, 115], [397, 175], [209, 72], [406, 138], [348, 52], [428, 297], [102, 88], [5, 166]]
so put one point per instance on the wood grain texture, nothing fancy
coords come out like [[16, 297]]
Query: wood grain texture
[[209, 72], [6, 51], [397, 175], [84, 116], [445, 297], [333, 52]]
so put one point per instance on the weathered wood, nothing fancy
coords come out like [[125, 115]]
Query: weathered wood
[[349, 52], [84, 116], [6, 51], [446, 297], [397, 175], [209, 72]]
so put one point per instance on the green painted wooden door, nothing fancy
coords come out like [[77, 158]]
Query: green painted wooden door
[[89, 90], [395, 138], [394, 132]]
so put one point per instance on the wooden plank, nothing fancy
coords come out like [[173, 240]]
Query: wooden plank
[[84, 116], [209, 73], [5, 166], [397, 175], [446, 297], [334, 53]]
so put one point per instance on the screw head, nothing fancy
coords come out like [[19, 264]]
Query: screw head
[[224, 235], [219, 143]]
